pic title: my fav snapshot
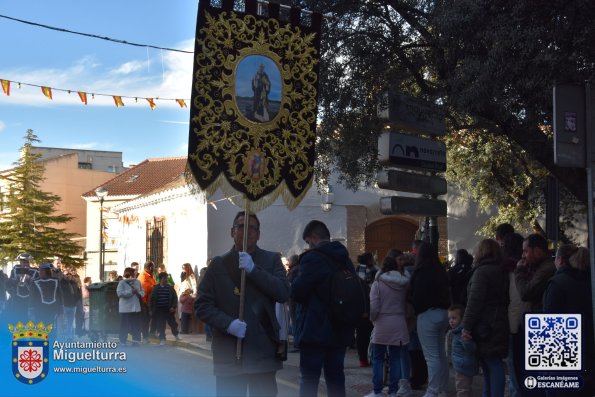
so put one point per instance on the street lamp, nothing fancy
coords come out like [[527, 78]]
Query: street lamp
[[101, 193]]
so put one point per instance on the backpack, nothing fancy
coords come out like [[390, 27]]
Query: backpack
[[349, 302]]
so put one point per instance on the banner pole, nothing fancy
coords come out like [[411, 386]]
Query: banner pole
[[243, 275]]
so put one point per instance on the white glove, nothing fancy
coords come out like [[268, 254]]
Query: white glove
[[246, 262], [237, 328]]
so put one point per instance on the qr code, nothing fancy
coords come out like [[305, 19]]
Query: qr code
[[553, 342]]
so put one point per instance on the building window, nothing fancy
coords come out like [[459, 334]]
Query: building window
[[85, 166], [155, 239]]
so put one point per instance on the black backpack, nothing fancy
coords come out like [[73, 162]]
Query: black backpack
[[350, 301]]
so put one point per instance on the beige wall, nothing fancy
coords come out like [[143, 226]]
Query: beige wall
[[64, 179]]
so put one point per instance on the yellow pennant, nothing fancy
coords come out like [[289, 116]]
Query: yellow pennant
[[151, 103], [6, 87], [181, 103], [47, 91], [118, 101]]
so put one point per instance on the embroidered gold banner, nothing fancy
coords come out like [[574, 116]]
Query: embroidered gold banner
[[253, 111]]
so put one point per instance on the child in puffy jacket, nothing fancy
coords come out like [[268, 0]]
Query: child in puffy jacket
[[187, 302], [463, 353]]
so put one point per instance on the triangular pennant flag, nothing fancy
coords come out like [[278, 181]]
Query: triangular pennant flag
[[118, 101], [47, 91], [6, 87], [83, 96], [181, 103], [151, 103]]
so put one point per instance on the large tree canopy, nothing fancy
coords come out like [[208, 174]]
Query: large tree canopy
[[491, 64]]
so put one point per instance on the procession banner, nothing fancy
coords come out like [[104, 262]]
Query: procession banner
[[253, 111]]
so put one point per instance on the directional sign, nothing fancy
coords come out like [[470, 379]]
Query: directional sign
[[412, 206], [410, 182], [412, 114], [408, 151]]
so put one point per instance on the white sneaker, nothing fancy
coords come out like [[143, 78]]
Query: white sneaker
[[404, 388], [372, 394], [162, 343], [178, 337]]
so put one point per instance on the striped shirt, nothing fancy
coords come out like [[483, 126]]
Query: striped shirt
[[162, 295]]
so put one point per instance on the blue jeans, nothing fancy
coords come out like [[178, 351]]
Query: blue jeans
[[512, 363], [431, 329], [312, 360], [69, 322], [493, 376], [398, 361]]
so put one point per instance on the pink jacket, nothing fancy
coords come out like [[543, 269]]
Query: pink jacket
[[187, 302], [388, 298]]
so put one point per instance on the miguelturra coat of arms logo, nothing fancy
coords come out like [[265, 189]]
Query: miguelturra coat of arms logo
[[30, 351]]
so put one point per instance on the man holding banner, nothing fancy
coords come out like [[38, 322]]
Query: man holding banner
[[217, 305]]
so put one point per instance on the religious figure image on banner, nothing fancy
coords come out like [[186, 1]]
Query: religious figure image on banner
[[255, 164], [258, 88]]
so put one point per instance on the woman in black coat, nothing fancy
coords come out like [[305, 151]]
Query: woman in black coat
[[486, 316]]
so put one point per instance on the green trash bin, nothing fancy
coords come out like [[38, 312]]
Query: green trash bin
[[104, 315]]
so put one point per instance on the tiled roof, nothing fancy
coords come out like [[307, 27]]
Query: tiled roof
[[147, 176]]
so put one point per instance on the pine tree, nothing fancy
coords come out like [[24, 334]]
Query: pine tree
[[29, 222]]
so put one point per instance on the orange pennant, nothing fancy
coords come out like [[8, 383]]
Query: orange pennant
[[181, 103], [83, 96], [47, 91], [6, 86], [151, 103], [118, 101]]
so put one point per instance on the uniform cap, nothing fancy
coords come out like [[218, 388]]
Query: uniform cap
[[25, 256]]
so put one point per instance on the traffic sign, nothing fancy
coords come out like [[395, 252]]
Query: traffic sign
[[412, 114], [410, 151], [411, 182], [412, 206]]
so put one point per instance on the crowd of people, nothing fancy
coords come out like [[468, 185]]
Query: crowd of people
[[54, 294], [425, 319], [51, 293]]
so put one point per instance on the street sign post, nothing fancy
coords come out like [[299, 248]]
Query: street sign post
[[412, 206], [410, 182], [412, 114], [412, 152]]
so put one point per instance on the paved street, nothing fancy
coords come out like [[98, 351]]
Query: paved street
[[358, 380]]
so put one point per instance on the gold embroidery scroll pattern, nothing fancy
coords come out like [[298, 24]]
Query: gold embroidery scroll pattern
[[224, 134]]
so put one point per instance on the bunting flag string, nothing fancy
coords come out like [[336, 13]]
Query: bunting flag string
[[118, 99]]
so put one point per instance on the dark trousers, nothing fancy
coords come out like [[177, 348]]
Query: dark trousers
[[363, 331], [130, 322], [185, 322], [160, 317], [259, 384], [312, 361], [145, 321]]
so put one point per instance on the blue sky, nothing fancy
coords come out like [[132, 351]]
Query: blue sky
[[45, 57]]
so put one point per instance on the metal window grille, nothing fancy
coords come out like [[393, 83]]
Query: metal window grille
[[155, 238]]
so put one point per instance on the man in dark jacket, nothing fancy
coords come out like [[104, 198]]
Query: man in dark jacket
[[534, 270], [218, 305], [321, 343]]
